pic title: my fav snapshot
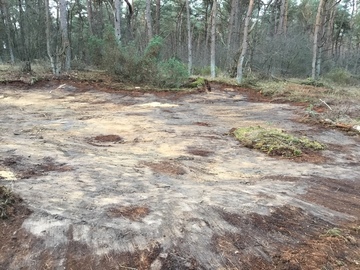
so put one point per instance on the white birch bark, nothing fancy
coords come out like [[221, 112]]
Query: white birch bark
[[148, 19], [117, 17], [66, 50], [213, 40], [189, 38], [240, 66], [53, 58], [314, 65]]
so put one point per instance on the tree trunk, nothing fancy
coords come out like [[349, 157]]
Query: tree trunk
[[189, 37], [53, 57], [232, 20], [25, 52], [157, 22], [283, 17], [6, 19], [240, 66], [148, 19], [117, 18], [213, 40], [66, 51], [89, 16], [315, 66]]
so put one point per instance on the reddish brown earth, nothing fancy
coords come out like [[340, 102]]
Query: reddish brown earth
[[134, 180]]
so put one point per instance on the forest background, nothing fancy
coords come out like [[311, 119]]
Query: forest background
[[162, 42]]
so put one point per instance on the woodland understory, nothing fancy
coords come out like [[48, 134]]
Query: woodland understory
[[161, 43]]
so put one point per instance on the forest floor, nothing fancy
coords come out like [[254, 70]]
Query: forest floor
[[133, 179]]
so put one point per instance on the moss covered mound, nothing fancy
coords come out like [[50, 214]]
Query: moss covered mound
[[7, 200], [275, 142]]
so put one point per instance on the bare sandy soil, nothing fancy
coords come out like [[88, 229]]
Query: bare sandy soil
[[156, 181]]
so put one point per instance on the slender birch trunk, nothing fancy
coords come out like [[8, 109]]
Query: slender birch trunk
[[316, 56], [66, 50], [117, 23], [53, 57], [240, 66], [189, 37], [148, 19], [213, 40]]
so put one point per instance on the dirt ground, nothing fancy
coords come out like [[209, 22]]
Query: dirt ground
[[134, 180]]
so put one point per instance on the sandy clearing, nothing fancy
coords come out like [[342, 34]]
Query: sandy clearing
[[189, 176]]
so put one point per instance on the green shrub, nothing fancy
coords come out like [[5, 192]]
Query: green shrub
[[205, 71], [94, 48], [153, 48], [172, 73], [129, 65], [7, 199], [340, 76]]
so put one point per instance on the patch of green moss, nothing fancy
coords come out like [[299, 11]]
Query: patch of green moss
[[334, 232], [275, 142], [312, 82], [199, 82], [7, 199]]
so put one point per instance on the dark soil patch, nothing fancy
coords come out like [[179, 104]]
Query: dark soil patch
[[323, 251], [290, 222], [79, 256], [251, 94], [179, 261], [340, 195], [102, 140], [166, 167], [311, 157], [199, 152], [294, 240], [203, 124], [12, 214], [134, 213], [25, 169], [11, 205], [108, 138]]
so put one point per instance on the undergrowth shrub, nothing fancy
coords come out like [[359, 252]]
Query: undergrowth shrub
[[94, 48], [7, 199], [205, 71], [172, 73], [128, 64], [340, 76]]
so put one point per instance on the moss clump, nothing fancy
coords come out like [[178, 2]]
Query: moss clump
[[198, 82], [275, 142], [7, 200]]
